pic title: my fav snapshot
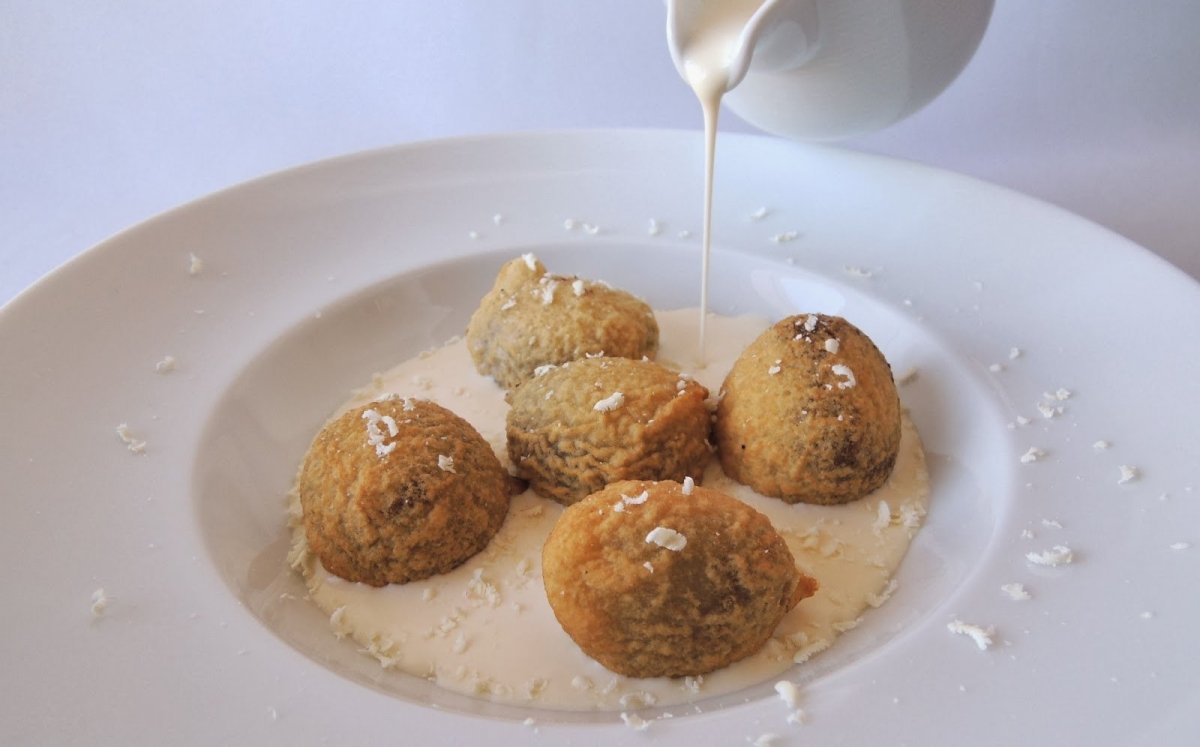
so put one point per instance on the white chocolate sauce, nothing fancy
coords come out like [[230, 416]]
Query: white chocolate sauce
[[707, 59], [486, 628]]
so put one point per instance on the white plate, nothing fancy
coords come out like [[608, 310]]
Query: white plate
[[317, 277]]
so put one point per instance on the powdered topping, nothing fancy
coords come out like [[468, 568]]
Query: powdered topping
[[784, 237], [1048, 410], [577, 287], [775, 368], [688, 485], [548, 286], [790, 695], [99, 602], [1032, 455], [1016, 592], [911, 514], [195, 265], [511, 302], [610, 403], [166, 365], [375, 435], [1128, 474], [832, 345], [844, 371], [666, 538], [877, 600], [530, 260], [631, 500], [480, 591], [446, 463], [636, 500], [810, 322], [981, 636], [883, 517], [1055, 556], [759, 214], [807, 649], [634, 721], [337, 621], [135, 445]]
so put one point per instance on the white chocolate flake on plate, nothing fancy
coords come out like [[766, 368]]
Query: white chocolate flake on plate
[[134, 444], [982, 636], [99, 602], [1055, 556]]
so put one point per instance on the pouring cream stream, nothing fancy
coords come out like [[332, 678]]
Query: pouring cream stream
[[822, 69], [711, 43]]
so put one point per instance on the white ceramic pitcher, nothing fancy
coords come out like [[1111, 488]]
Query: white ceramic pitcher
[[828, 69]]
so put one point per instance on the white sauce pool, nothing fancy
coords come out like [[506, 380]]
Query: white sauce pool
[[486, 628]]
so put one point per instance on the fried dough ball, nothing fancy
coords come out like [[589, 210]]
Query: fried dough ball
[[652, 581], [531, 318], [810, 413], [400, 490], [587, 423]]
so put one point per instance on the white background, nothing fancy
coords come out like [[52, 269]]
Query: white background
[[113, 111]]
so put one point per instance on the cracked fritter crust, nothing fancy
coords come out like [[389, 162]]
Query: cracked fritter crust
[[657, 427], [434, 499], [531, 318], [644, 610], [808, 420]]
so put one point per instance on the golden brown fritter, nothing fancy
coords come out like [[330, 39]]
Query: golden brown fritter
[[809, 413], [578, 427], [531, 318], [652, 582], [400, 490]]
